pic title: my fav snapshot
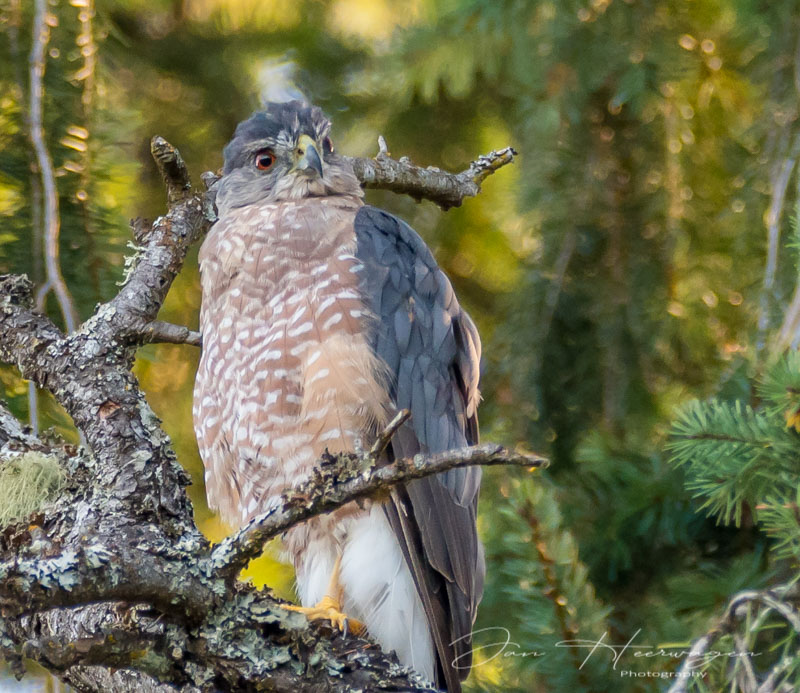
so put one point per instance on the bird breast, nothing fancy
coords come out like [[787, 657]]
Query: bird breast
[[286, 369]]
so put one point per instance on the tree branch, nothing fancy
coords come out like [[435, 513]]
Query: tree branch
[[445, 189], [172, 169], [114, 572], [13, 434], [168, 333], [385, 436], [109, 633], [339, 480], [789, 333]]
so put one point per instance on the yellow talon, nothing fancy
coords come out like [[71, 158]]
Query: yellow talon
[[330, 609]]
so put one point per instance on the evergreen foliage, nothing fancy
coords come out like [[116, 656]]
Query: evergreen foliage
[[742, 464], [539, 596], [733, 456]]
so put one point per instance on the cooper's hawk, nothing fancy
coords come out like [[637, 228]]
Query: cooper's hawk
[[321, 317]]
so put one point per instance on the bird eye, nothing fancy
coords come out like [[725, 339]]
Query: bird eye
[[327, 145], [264, 159]]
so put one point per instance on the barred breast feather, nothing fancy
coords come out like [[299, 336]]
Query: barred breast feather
[[286, 370]]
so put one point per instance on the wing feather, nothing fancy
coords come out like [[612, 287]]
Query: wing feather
[[432, 350]]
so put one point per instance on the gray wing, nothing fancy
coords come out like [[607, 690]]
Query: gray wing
[[432, 350]]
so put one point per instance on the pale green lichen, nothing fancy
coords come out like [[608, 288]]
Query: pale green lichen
[[27, 482], [131, 261]]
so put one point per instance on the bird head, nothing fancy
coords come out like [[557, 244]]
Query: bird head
[[283, 153]]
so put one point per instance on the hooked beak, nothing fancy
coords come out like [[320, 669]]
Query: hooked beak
[[306, 156]]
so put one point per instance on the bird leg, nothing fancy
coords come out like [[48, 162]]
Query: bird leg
[[330, 606]]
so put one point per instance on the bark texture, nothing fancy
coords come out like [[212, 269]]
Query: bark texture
[[110, 585]]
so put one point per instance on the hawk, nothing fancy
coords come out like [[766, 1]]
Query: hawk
[[321, 317]]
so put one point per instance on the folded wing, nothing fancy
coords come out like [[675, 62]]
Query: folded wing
[[432, 350]]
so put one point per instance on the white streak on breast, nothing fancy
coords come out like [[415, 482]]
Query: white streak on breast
[[331, 435], [249, 408], [259, 439], [297, 315], [325, 284], [331, 321], [302, 329], [327, 303], [321, 373], [300, 348], [270, 355], [295, 297]]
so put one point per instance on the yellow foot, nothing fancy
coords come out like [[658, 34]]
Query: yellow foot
[[330, 610]]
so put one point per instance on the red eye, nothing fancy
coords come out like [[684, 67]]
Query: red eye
[[327, 145], [264, 159]]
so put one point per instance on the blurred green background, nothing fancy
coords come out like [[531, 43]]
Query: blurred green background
[[637, 255]]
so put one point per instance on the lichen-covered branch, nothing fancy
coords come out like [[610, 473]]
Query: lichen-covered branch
[[445, 189], [341, 479], [108, 582], [122, 532], [168, 333], [13, 434], [108, 633]]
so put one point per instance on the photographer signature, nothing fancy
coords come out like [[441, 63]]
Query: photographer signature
[[502, 645]]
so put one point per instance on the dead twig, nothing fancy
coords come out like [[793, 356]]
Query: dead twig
[[386, 434]]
